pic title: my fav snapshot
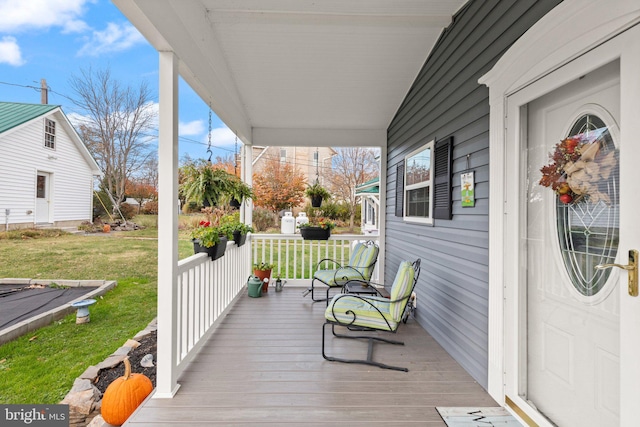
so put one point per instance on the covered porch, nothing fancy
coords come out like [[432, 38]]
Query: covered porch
[[263, 366]]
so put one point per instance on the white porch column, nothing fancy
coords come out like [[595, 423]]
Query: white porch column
[[382, 216], [166, 381], [247, 177]]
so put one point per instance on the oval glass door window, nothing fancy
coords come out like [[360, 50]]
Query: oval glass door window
[[587, 204]]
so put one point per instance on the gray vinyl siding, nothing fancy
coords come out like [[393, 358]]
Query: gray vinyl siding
[[447, 100]]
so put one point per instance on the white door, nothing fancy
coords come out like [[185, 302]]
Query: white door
[[571, 366], [43, 196]]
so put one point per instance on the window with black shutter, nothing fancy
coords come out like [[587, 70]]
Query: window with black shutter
[[400, 189], [423, 183], [442, 179]]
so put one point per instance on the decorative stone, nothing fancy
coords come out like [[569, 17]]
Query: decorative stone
[[132, 344], [82, 401], [111, 361], [147, 361], [122, 351], [90, 373], [81, 385]]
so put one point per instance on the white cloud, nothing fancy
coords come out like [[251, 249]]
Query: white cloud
[[25, 15], [10, 51], [114, 38], [223, 137], [193, 128]]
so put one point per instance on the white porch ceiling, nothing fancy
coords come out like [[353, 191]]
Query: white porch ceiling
[[297, 72]]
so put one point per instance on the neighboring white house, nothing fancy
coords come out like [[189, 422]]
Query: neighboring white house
[[369, 194], [46, 172]]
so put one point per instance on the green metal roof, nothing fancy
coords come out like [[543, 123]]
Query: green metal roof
[[371, 181], [14, 114]]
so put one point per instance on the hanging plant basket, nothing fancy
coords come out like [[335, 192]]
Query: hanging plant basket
[[316, 201], [315, 233], [234, 203], [216, 251]]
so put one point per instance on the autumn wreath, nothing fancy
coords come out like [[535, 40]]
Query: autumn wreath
[[577, 166]]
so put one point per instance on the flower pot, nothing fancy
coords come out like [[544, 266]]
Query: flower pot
[[234, 204], [216, 251], [316, 201], [263, 274], [239, 238], [315, 233]]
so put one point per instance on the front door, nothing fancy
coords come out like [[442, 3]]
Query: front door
[[43, 196], [570, 363]]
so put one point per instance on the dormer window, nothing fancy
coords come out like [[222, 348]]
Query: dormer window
[[50, 134]]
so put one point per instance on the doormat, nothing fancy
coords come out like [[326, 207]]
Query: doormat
[[478, 417]]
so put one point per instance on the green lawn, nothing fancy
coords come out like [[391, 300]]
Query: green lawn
[[41, 366]]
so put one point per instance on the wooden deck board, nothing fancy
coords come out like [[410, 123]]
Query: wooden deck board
[[263, 366]]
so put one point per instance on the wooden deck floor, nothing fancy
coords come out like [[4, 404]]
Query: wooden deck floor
[[263, 367]]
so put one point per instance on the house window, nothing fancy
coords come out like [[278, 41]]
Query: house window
[[49, 133], [315, 159], [418, 194], [283, 155]]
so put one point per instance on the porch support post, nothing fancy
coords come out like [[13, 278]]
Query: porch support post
[[247, 177], [166, 384], [382, 214]]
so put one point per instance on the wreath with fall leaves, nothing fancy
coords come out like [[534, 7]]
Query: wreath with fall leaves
[[577, 167]]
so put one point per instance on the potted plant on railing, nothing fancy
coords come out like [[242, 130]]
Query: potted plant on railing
[[317, 229], [209, 239], [317, 193], [263, 271], [237, 231]]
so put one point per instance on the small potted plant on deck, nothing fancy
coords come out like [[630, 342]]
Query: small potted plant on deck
[[263, 271]]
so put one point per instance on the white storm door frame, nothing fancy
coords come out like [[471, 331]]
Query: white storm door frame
[[543, 50]]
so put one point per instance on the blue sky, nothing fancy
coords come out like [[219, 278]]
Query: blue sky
[[54, 39]]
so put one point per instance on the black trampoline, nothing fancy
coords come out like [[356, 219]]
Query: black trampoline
[[21, 302]]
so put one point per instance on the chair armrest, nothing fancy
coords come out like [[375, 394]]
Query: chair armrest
[[350, 270], [327, 260], [368, 283], [354, 320]]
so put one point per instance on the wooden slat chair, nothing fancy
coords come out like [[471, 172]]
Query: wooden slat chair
[[372, 313], [360, 266]]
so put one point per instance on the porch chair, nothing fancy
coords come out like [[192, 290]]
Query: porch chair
[[372, 314], [360, 266]]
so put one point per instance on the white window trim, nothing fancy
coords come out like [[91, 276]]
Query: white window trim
[[55, 140], [420, 220]]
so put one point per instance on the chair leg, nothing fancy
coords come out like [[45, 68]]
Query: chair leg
[[369, 360]]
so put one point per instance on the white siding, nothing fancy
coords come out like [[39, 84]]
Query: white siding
[[23, 154]]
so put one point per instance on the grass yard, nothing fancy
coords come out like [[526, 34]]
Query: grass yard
[[41, 366]]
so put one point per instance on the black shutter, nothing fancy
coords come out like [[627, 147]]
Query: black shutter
[[400, 189], [442, 179]]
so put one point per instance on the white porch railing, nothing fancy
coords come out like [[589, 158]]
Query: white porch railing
[[205, 290], [296, 258]]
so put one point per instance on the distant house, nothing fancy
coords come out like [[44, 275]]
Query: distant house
[[308, 160], [46, 172], [369, 194]]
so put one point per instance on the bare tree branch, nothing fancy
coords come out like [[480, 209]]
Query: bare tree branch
[[116, 120]]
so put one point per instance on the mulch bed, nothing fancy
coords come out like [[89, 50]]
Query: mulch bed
[[147, 346]]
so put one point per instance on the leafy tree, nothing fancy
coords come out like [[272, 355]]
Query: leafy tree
[[278, 186], [140, 190], [116, 119], [352, 166]]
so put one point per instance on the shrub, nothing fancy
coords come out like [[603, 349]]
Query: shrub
[[263, 219], [150, 208], [128, 211], [191, 207]]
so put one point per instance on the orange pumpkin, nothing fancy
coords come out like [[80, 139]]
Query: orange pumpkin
[[124, 395]]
